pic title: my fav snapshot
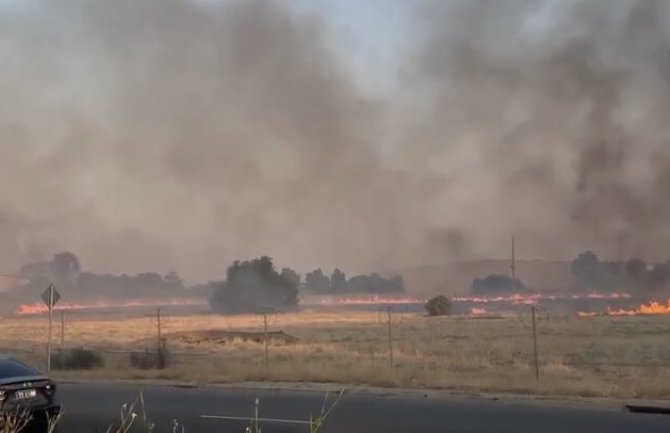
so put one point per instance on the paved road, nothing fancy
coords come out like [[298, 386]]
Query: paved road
[[92, 407]]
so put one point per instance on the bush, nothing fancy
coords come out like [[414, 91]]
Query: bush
[[439, 306], [151, 359], [77, 359]]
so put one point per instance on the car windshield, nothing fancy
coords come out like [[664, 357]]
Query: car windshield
[[12, 368]]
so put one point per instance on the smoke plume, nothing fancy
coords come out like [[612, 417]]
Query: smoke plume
[[151, 134], [159, 133], [557, 113]]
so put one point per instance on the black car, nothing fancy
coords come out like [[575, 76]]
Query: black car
[[24, 390]]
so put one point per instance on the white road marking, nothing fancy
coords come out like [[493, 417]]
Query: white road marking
[[241, 418]]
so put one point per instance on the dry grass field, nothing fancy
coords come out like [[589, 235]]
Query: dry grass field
[[598, 356]]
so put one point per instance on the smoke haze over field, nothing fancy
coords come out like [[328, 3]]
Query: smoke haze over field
[[149, 134], [156, 133]]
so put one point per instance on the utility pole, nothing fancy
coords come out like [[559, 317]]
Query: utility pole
[[513, 264]]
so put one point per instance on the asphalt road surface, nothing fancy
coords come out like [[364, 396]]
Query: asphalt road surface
[[92, 407]]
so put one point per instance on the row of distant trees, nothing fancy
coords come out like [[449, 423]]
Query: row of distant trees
[[65, 270], [256, 285], [497, 284], [249, 286], [589, 274], [318, 282]]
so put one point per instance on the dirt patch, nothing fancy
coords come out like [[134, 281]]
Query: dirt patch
[[221, 337]]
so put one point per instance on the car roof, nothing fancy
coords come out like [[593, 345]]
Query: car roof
[[9, 358], [10, 367]]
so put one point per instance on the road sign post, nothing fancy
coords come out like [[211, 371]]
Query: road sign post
[[537, 362], [50, 297]]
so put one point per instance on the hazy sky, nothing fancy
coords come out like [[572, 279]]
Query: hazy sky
[[372, 36]]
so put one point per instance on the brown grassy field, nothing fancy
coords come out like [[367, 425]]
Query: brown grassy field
[[600, 356]]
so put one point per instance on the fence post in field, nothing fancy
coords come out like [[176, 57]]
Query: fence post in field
[[531, 317], [159, 347], [62, 329], [537, 360], [266, 315], [265, 338], [390, 337]]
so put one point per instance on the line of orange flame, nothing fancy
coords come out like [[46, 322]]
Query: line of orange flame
[[37, 308], [518, 298], [650, 308], [536, 297], [360, 300]]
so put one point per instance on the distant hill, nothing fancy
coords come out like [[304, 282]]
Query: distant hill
[[456, 278]]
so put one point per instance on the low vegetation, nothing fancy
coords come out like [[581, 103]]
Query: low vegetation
[[151, 358], [20, 421], [77, 359]]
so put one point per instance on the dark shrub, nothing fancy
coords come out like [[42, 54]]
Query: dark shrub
[[151, 359], [439, 306], [77, 359]]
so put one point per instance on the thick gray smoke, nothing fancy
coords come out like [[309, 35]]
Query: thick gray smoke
[[158, 133], [557, 113], [149, 134]]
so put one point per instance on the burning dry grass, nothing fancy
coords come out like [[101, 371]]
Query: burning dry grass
[[652, 308], [601, 356]]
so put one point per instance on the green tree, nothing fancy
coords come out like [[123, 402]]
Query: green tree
[[636, 269], [253, 286], [292, 276], [338, 280], [586, 267], [65, 266], [316, 281]]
